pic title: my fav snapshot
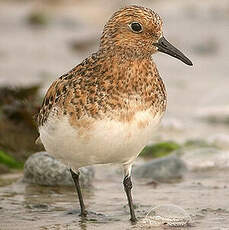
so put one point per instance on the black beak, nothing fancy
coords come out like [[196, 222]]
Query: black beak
[[165, 47]]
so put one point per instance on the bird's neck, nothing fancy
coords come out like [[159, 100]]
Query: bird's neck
[[130, 69]]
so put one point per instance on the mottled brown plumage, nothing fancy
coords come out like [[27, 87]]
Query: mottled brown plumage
[[105, 109], [104, 86], [118, 80]]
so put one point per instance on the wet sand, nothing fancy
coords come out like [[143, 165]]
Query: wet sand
[[202, 194]]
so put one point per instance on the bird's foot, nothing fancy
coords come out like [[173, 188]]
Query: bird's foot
[[133, 219], [83, 213]]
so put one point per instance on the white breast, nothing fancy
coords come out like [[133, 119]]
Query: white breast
[[106, 141]]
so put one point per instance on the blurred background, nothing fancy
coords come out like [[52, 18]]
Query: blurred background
[[43, 39]]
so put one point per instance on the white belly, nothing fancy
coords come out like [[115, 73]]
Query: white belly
[[107, 141]]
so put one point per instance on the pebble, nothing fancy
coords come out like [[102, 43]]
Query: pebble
[[43, 169], [165, 169]]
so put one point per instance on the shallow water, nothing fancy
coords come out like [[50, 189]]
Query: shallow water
[[202, 194]]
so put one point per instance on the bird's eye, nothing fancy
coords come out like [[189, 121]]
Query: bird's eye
[[136, 27]]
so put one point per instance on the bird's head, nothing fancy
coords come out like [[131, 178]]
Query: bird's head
[[137, 32]]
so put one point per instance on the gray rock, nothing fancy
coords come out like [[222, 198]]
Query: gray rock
[[165, 169], [43, 169]]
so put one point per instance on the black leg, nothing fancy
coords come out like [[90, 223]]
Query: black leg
[[128, 186], [75, 177]]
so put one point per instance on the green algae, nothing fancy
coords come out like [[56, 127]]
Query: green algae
[[9, 161], [159, 149]]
